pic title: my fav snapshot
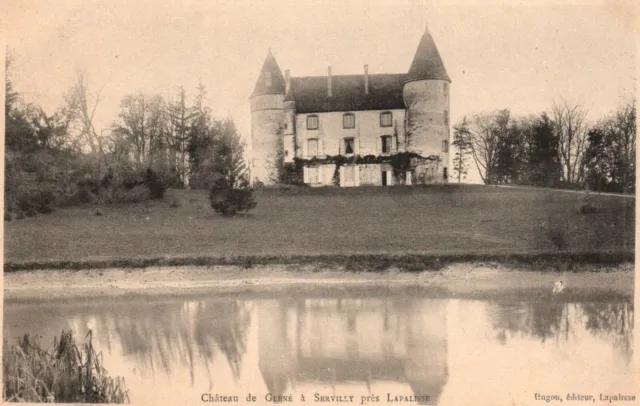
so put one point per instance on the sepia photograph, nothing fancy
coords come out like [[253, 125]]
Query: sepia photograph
[[319, 202]]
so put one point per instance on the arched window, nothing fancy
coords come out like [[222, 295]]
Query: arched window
[[348, 120]]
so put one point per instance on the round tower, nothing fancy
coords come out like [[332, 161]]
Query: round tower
[[290, 148], [426, 98], [267, 123]]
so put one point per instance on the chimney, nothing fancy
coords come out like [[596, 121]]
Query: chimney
[[329, 90], [366, 79], [287, 81]]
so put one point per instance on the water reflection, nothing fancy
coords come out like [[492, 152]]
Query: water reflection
[[329, 341], [387, 345], [545, 320]]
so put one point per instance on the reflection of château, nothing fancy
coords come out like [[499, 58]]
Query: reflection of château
[[361, 342]]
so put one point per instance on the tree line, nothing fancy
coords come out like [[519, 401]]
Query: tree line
[[557, 149], [154, 143]]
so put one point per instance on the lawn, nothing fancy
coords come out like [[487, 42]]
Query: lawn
[[448, 219]]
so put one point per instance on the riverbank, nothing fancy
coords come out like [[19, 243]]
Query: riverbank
[[465, 280]]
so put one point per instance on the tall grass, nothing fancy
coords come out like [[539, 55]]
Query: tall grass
[[70, 373]]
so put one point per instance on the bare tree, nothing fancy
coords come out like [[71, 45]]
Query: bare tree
[[142, 122], [484, 132], [81, 107], [571, 131]]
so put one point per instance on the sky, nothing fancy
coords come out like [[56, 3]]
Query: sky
[[503, 54]]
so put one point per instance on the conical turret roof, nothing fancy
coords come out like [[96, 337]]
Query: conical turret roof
[[427, 64], [271, 80]]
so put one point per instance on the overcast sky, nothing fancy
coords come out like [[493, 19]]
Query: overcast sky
[[499, 55]]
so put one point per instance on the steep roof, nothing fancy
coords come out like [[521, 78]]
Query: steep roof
[[269, 67], [385, 92], [427, 63]]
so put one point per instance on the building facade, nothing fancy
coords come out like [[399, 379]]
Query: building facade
[[353, 130]]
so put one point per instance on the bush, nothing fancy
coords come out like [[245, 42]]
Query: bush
[[136, 194], [157, 187], [31, 198], [69, 373], [229, 201]]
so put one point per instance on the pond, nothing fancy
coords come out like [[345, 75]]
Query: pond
[[394, 347]]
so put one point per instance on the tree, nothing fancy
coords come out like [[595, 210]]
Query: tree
[[230, 191], [571, 131], [229, 167], [142, 123], [609, 156], [541, 162], [485, 131], [510, 151], [462, 143], [81, 106], [180, 120], [624, 133]]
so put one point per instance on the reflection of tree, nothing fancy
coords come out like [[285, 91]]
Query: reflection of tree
[[224, 323], [613, 322], [545, 320], [165, 335]]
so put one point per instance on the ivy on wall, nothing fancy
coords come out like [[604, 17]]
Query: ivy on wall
[[401, 163]]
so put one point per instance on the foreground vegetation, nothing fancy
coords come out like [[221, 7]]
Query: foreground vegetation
[[448, 220], [69, 373]]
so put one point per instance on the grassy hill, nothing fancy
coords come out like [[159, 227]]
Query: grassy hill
[[447, 219]]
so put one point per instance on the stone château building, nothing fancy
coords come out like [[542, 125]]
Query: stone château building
[[352, 130]]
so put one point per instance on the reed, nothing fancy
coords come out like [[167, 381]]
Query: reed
[[68, 373]]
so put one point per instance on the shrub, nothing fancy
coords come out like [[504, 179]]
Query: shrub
[[229, 201], [156, 185], [136, 194], [69, 373], [32, 198]]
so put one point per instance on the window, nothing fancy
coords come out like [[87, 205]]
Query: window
[[386, 120], [349, 145], [386, 146], [445, 146], [445, 175], [312, 122], [312, 147], [445, 89], [445, 117], [267, 79], [348, 121]]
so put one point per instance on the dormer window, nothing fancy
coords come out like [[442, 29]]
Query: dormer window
[[267, 79], [312, 122], [348, 121], [386, 119]]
